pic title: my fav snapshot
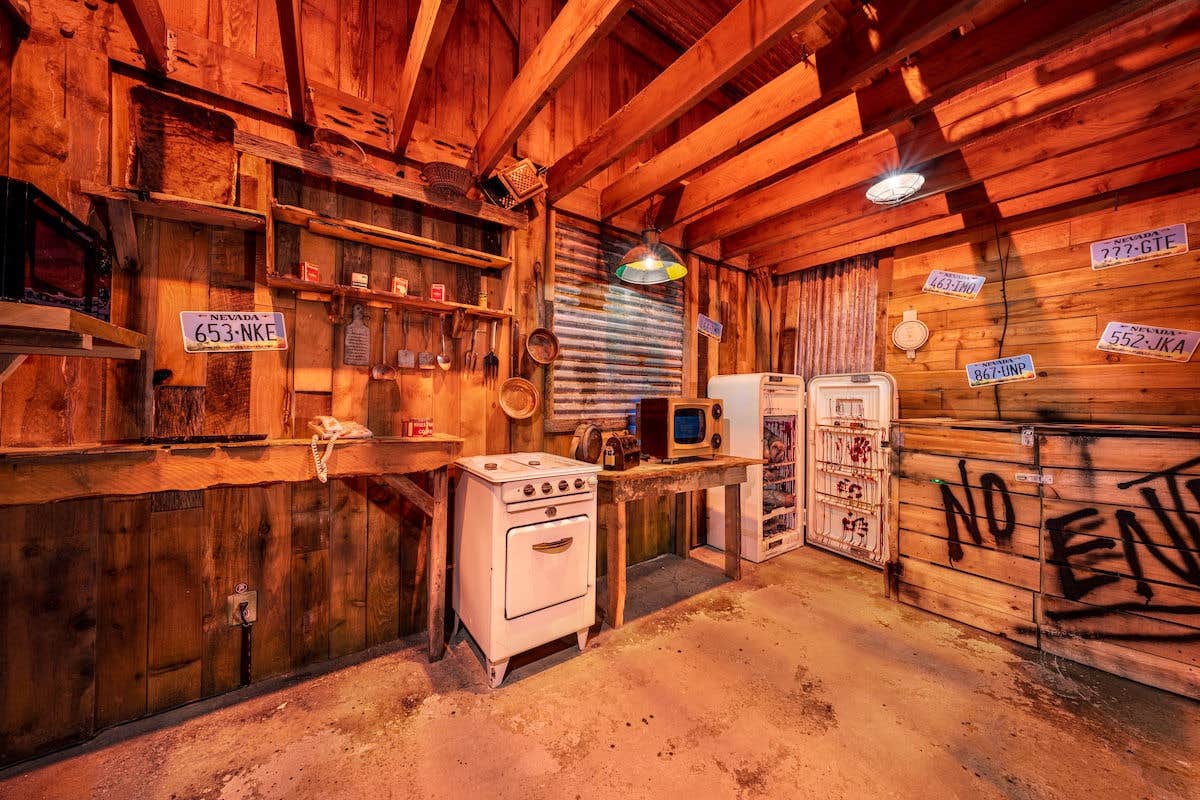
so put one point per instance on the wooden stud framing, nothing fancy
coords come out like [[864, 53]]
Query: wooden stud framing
[[149, 28], [292, 41], [429, 32]]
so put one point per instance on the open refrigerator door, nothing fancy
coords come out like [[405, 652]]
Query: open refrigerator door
[[849, 463]]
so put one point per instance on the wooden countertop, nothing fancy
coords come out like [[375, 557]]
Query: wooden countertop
[[48, 474], [658, 478]]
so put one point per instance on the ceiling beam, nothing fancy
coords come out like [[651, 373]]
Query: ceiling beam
[[1149, 176], [1000, 44], [429, 33], [292, 42], [149, 28], [825, 77], [575, 31], [18, 12], [1152, 144], [740, 37], [1024, 96]]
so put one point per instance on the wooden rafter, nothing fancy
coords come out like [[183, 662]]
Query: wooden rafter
[[429, 32], [292, 42], [823, 78], [957, 121], [752, 28], [18, 12], [149, 28], [575, 31], [1146, 119]]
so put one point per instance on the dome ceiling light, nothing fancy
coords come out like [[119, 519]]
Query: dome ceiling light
[[651, 262], [896, 188]]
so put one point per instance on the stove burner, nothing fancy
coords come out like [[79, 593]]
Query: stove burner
[[490, 465], [533, 462]]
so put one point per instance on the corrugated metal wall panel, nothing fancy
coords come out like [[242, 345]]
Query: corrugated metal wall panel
[[619, 343], [828, 318]]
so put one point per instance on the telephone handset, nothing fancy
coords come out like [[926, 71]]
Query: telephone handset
[[331, 429], [326, 427]]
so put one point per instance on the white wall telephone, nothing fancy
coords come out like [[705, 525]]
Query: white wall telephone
[[332, 429]]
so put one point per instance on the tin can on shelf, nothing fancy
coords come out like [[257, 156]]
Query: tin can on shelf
[[399, 285]]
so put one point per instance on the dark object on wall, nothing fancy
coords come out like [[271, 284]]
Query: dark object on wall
[[48, 256], [512, 186], [446, 179], [587, 444], [621, 452], [181, 148]]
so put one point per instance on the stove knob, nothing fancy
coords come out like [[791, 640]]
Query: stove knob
[[579, 483], [546, 488], [563, 486], [591, 481], [528, 490]]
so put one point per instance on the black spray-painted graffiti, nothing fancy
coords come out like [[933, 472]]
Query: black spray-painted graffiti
[[1084, 562], [994, 489]]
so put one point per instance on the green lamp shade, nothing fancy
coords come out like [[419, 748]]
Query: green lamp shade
[[651, 262]]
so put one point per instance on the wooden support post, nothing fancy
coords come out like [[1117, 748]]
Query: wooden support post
[[733, 531], [436, 565], [149, 28], [299, 98], [615, 555], [429, 32], [9, 363]]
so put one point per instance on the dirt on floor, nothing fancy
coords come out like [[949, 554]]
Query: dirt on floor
[[800, 681]]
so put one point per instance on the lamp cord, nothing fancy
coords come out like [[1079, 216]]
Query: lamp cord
[[1004, 257]]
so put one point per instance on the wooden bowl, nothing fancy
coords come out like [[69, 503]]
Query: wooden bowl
[[518, 398], [542, 345]]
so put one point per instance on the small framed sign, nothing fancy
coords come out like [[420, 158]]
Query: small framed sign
[[709, 327], [953, 284], [1169, 344], [1136, 247], [1009, 369], [232, 331]]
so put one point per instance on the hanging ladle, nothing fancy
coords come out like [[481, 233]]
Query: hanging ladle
[[383, 371], [443, 360]]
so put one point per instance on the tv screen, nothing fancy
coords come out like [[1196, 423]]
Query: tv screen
[[689, 425]]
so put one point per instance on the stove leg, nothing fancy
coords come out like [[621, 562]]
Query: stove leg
[[582, 637], [496, 672]]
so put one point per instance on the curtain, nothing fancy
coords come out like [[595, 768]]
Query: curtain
[[827, 318]]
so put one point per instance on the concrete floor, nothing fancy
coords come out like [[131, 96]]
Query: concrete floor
[[799, 682]]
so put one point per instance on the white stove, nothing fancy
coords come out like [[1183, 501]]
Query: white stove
[[524, 552]]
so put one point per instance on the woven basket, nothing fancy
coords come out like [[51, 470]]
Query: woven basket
[[449, 180]]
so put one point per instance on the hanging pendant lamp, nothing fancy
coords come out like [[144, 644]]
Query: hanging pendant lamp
[[651, 262]]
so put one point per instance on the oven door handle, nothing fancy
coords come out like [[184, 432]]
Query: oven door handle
[[553, 548]]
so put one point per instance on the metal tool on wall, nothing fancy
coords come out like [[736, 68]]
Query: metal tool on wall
[[471, 359], [518, 397], [383, 371], [425, 359], [444, 359], [491, 361], [405, 358]]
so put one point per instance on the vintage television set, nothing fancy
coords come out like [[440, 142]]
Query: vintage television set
[[49, 257], [671, 428]]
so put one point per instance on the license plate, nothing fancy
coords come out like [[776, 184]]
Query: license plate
[[953, 284], [232, 331], [1001, 370], [1142, 246], [1169, 344]]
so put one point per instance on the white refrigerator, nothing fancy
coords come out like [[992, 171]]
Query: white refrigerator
[[826, 448]]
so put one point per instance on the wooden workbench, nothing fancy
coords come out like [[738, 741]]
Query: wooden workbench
[[649, 480]]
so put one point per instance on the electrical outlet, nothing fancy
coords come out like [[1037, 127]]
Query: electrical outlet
[[234, 602]]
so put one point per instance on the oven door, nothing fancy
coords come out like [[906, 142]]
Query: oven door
[[546, 564]]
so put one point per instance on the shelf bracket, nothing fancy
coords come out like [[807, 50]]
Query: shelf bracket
[[9, 363]]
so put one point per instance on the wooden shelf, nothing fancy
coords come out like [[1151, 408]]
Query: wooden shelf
[[181, 209], [377, 298], [48, 474], [29, 329], [376, 236]]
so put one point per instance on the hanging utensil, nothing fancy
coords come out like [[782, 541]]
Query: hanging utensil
[[491, 361], [443, 360], [425, 359], [541, 344], [405, 358], [518, 397], [472, 358], [383, 371]]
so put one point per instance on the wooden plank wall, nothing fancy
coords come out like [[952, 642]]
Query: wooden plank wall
[[128, 597], [1100, 565], [1058, 308]]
